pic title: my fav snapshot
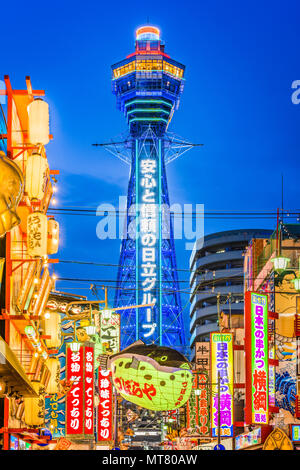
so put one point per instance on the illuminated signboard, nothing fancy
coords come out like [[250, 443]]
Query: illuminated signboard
[[110, 331], [105, 405], [295, 432], [203, 403], [80, 399], [257, 363], [74, 408], [89, 390], [148, 240], [222, 370]]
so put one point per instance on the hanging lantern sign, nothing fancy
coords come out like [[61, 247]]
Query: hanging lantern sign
[[52, 328], [89, 390], [27, 287], [36, 176], [74, 399], [35, 407], [53, 365], [154, 377], [41, 297], [53, 236], [37, 231], [105, 418], [38, 122], [11, 191], [257, 362]]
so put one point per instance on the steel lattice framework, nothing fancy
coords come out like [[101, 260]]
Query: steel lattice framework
[[148, 85]]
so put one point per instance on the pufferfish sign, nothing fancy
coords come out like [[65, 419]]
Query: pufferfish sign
[[154, 377]]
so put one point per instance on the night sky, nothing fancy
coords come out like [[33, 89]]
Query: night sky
[[241, 59]]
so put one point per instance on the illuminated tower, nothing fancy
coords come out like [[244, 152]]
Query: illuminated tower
[[148, 85]]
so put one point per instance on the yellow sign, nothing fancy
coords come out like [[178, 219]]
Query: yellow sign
[[278, 440]]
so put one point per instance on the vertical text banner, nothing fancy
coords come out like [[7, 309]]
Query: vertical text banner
[[222, 367], [148, 238], [257, 363], [74, 409], [89, 390], [105, 411]]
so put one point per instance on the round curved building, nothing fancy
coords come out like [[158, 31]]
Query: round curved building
[[216, 267]]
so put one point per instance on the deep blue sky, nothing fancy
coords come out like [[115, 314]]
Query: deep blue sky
[[241, 58]]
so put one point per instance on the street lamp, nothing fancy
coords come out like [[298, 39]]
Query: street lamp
[[90, 330], [280, 263], [75, 346]]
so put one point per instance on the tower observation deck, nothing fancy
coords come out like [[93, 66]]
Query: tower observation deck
[[148, 85]]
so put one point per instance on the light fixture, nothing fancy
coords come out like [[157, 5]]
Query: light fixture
[[280, 263], [75, 346], [296, 283], [90, 330]]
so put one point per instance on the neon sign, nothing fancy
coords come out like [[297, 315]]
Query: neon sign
[[257, 363], [222, 370], [105, 406]]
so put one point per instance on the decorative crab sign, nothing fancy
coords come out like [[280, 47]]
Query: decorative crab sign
[[154, 377]]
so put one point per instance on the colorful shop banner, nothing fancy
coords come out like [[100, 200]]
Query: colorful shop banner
[[295, 432], [89, 390], [202, 355], [222, 370], [74, 402], [248, 439], [148, 238], [257, 363], [110, 331], [192, 408], [105, 411], [203, 403], [198, 405]]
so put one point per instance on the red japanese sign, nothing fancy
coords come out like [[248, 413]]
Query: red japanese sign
[[89, 390], [105, 406], [74, 405], [203, 403]]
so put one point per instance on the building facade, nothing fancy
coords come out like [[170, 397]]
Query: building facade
[[217, 280]]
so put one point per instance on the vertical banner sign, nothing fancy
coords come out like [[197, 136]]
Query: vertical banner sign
[[148, 238], [89, 390], [74, 411], [222, 366], [272, 374], [203, 403], [202, 353], [257, 363], [105, 418], [110, 331], [192, 408]]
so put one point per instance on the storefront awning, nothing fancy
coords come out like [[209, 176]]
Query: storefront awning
[[13, 373]]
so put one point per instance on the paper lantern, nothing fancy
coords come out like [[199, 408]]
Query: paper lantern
[[35, 407], [11, 190], [53, 365], [37, 226], [36, 176], [52, 327], [38, 122], [154, 377], [53, 236]]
